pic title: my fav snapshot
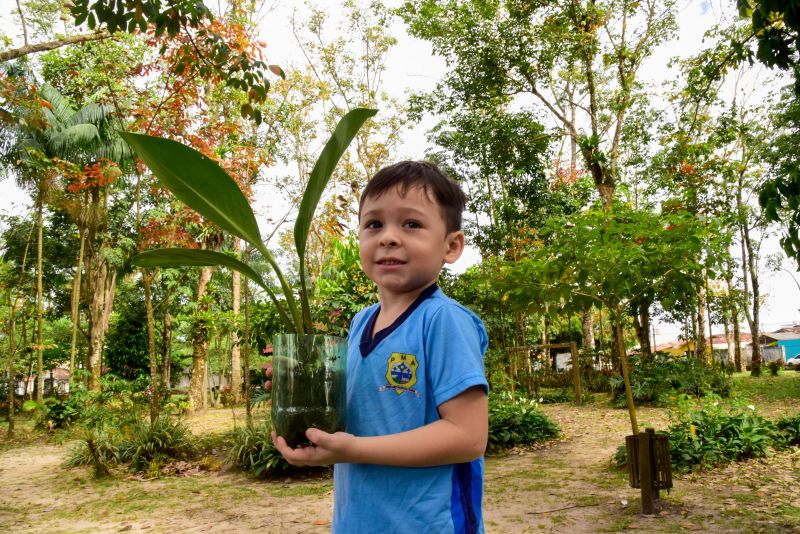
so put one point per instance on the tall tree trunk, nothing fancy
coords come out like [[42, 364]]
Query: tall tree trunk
[[102, 281], [76, 298], [708, 312], [39, 341], [641, 321], [246, 353], [733, 310], [200, 337], [166, 348], [700, 341], [236, 365], [587, 327], [155, 390], [623, 358], [12, 348], [755, 363]]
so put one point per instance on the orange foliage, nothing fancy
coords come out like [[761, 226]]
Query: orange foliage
[[99, 174]]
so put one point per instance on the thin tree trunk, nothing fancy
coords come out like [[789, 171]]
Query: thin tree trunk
[[166, 349], [76, 297], [236, 365], [755, 363], [700, 340], [733, 310], [587, 326], [246, 355], [708, 311], [623, 358], [155, 390], [12, 348], [197, 397], [39, 319]]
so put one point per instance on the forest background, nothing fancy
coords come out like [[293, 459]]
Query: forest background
[[682, 137]]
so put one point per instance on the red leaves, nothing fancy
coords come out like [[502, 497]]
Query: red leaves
[[99, 174]]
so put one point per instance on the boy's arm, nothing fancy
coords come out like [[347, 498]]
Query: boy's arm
[[459, 436]]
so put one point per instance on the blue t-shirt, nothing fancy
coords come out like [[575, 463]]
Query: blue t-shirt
[[395, 382]]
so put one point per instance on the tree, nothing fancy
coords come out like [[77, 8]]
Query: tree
[[610, 258], [580, 60]]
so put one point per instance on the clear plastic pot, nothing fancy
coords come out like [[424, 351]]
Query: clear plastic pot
[[308, 385]]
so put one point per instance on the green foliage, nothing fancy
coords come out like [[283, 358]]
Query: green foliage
[[145, 443], [342, 290], [252, 451], [512, 424], [665, 378], [97, 448], [789, 428], [712, 434], [774, 367], [141, 445]]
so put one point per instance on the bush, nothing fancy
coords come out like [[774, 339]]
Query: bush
[[713, 435], [517, 423], [252, 451], [775, 367], [667, 377], [789, 429], [144, 447], [146, 444]]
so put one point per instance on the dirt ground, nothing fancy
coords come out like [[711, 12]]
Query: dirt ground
[[565, 486]]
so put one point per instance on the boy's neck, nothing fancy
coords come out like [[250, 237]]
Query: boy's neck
[[393, 305]]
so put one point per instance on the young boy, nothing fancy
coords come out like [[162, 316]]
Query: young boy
[[417, 418]]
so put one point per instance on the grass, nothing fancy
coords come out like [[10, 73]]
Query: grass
[[768, 388]]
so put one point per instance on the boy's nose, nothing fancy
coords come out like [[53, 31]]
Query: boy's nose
[[388, 239]]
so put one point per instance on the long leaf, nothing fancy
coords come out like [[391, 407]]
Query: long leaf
[[321, 174], [199, 183], [323, 169], [186, 257]]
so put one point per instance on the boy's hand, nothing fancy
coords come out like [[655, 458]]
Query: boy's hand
[[327, 448]]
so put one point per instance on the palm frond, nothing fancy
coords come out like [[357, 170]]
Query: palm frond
[[74, 141], [60, 106]]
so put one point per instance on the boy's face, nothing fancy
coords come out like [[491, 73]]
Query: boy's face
[[404, 241]]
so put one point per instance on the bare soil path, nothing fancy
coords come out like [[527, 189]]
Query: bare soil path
[[565, 486]]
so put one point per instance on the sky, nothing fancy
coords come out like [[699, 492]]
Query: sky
[[412, 67]]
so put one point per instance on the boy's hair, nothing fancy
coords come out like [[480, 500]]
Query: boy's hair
[[425, 175]]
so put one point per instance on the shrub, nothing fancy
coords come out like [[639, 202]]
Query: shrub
[[713, 435], [789, 429], [774, 367], [165, 439], [666, 377], [517, 423], [98, 449], [252, 451]]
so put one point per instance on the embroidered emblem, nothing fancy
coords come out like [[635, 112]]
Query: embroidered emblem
[[401, 373]]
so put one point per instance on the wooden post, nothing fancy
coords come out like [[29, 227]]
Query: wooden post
[[651, 437], [645, 473], [576, 371]]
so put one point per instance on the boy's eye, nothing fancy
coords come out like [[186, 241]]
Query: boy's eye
[[372, 224], [412, 224]]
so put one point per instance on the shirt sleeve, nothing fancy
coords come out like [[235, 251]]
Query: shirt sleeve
[[454, 346]]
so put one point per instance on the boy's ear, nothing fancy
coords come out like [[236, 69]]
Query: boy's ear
[[455, 246]]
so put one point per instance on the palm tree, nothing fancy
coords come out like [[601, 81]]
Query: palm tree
[[47, 132]]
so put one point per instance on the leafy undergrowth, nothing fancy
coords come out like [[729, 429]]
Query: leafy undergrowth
[[564, 485]]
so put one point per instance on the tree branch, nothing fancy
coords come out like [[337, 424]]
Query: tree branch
[[51, 45]]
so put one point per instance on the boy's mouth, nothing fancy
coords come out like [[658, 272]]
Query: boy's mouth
[[390, 261]]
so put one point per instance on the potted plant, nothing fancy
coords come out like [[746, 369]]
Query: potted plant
[[308, 368]]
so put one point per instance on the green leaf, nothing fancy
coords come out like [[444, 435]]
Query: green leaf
[[320, 176], [323, 169], [199, 183], [186, 257]]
